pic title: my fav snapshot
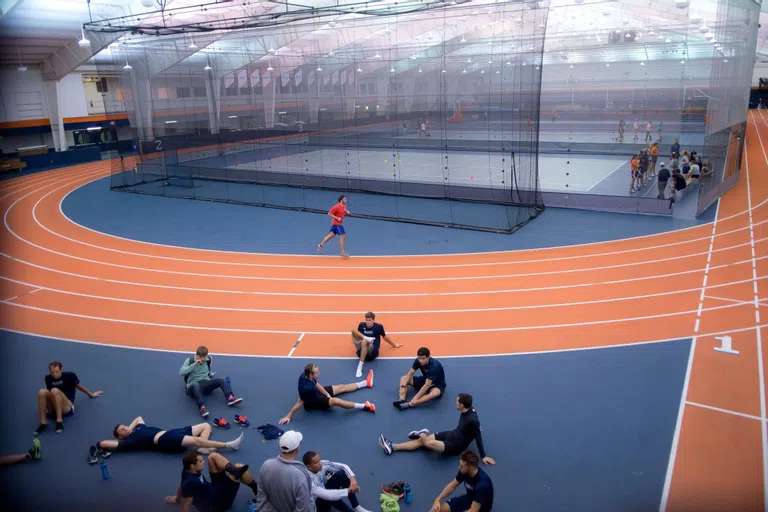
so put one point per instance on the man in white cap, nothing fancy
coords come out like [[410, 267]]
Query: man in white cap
[[285, 484]]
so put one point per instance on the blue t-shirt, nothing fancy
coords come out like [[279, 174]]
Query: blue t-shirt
[[198, 488], [479, 488], [376, 332], [142, 438], [67, 384], [433, 371], [307, 389]]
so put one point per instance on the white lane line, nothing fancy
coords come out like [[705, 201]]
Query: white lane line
[[292, 294], [428, 333], [399, 312], [732, 300], [296, 345], [678, 426], [726, 411]]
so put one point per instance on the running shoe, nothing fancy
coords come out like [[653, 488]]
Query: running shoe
[[397, 403], [34, 452], [221, 423], [416, 434], [242, 420], [204, 411], [102, 453], [40, 428], [386, 445], [231, 400], [93, 455], [369, 379], [368, 406], [59, 427]]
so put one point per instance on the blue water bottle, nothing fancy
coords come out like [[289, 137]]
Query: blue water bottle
[[104, 471], [251, 506], [229, 383], [408, 497]]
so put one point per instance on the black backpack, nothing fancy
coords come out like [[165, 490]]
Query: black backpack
[[192, 361]]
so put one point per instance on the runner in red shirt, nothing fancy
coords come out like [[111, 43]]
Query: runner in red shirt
[[337, 213]]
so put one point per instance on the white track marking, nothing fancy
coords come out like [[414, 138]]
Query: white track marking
[[758, 331], [726, 411], [400, 333], [399, 312], [291, 294], [678, 426]]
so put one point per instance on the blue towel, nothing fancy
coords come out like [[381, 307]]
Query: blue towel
[[270, 431]]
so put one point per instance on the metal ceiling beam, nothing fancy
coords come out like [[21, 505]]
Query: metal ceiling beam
[[6, 6], [70, 56]]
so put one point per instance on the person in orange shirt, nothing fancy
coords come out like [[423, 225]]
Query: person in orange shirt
[[635, 179], [654, 158], [337, 213]]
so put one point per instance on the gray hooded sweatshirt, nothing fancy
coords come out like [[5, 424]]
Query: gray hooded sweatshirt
[[284, 486]]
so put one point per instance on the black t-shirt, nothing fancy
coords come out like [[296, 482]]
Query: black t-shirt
[[664, 175], [433, 371], [469, 430], [376, 332], [307, 390], [142, 438], [479, 488], [67, 384], [197, 488], [680, 183]]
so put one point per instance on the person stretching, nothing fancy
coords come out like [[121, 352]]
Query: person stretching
[[139, 436], [450, 443], [331, 483], [318, 398], [479, 496], [430, 385], [219, 494], [367, 340]]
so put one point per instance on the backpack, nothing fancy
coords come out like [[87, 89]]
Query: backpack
[[192, 361]]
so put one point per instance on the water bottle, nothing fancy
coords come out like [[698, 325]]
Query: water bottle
[[408, 496], [104, 471], [251, 506], [229, 383]]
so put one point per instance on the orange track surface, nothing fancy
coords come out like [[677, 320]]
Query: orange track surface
[[61, 280]]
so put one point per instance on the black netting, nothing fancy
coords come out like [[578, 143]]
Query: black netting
[[419, 115]]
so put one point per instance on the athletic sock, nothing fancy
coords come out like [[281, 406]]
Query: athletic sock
[[360, 367], [362, 384], [235, 444], [359, 406], [404, 405]]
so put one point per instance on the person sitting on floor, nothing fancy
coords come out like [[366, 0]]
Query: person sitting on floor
[[57, 400], [331, 483], [219, 494], [199, 380], [139, 436], [429, 386]]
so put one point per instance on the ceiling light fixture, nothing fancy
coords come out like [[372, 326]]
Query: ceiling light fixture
[[127, 66], [84, 43]]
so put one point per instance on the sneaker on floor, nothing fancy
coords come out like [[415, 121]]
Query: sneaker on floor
[[104, 454], [231, 400], [40, 428], [369, 379], [415, 434], [368, 406], [386, 445], [59, 427], [204, 411], [397, 403], [34, 452], [93, 455]]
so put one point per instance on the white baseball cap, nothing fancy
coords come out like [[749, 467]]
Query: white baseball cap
[[290, 441]]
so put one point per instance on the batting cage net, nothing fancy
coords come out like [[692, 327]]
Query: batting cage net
[[418, 111]]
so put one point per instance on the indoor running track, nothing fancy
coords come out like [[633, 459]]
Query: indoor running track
[[697, 290]]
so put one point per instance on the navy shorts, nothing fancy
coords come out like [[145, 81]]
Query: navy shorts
[[418, 383], [338, 230], [224, 492], [319, 403], [52, 415], [372, 354], [460, 503], [170, 442]]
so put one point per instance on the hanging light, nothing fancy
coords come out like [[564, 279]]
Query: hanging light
[[319, 68], [391, 70], [271, 51], [419, 69], [359, 70], [463, 39], [269, 67], [464, 71], [192, 45], [84, 43], [127, 66], [207, 67], [377, 56]]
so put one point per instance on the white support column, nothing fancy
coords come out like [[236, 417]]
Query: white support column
[[52, 91], [213, 97], [268, 92]]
